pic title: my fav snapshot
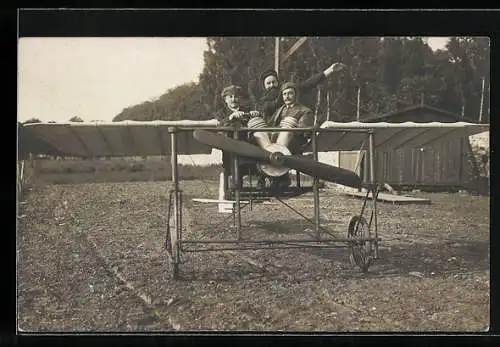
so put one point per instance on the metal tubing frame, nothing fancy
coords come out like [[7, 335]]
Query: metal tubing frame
[[271, 241], [239, 240], [236, 182], [373, 188], [316, 189], [176, 196], [273, 129], [260, 247], [306, 219]]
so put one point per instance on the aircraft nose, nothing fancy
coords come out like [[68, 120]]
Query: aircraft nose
[[277, 158]]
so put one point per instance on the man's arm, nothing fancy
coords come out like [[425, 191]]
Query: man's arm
[[221, 119], [316, 79], [224, 120]]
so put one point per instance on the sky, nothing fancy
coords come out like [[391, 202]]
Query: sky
[[96, 78]]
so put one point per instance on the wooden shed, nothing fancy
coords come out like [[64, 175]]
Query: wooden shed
[[439, 164]]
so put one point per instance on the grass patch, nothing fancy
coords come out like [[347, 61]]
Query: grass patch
[[117, 170]]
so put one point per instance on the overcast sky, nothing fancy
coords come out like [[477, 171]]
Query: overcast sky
[[96, 78]]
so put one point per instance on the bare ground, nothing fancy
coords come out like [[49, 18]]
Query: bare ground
[[91, 257]]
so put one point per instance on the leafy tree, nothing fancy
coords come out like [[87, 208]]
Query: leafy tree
[[75, 119], [32, 120], [389, 73], [182, 102], [470, 62]]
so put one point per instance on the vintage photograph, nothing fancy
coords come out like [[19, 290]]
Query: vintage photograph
[[253, 184]]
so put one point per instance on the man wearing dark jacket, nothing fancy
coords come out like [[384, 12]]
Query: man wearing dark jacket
[[291, 114], [235, 113], [272, 100]]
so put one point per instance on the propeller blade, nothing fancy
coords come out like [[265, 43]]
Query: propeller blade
[[228, 144], [324, 171], [309, 167]]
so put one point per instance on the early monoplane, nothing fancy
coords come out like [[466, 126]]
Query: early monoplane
[[162, 138]]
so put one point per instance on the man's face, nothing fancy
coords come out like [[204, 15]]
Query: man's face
[[289, 96], [232, 101], [270, 82]]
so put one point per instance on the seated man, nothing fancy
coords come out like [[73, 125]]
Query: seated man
[[290, 115], [235, 114]]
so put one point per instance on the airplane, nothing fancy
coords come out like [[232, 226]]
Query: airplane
[[155, 138]]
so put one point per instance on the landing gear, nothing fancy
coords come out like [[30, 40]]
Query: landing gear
[[360, 252], [172, 237]]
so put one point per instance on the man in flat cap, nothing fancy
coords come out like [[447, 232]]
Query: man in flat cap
[[235, 113], [291, 114], [271, 100]]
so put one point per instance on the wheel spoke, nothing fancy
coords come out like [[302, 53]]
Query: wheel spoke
[[360, 251]]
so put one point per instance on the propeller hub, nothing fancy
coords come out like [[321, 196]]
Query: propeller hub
[[276, 158]]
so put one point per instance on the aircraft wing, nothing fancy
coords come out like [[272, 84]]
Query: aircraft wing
[[99, 139], [134, 138], [390, 136]]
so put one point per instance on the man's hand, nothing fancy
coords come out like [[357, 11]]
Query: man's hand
[[236, 115], [335, 67], [254, 113]]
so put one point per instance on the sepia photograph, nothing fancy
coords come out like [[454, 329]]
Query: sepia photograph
[[332, 184]]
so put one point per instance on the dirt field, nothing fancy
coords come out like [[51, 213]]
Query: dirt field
[[91, 257]]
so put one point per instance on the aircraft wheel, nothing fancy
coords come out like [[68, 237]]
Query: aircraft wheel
[[360, 252]]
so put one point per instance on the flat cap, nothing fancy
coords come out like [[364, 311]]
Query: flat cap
[[232, 89], [288, 85]]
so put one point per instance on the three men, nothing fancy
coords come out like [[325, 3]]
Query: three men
[[278, 107]]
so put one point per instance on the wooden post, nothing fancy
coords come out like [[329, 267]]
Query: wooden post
[[292, 50], [365, 166], [327, 105], [318, 101], [358, 105], [422, 164], [277, 54], [461, 164], [482, 101]]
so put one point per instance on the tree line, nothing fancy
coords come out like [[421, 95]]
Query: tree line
[[386, 73]]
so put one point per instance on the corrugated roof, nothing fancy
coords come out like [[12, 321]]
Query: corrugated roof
[[394, 114]]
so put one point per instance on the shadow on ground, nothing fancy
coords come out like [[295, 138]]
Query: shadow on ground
[[424, 258], [330, 263]]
